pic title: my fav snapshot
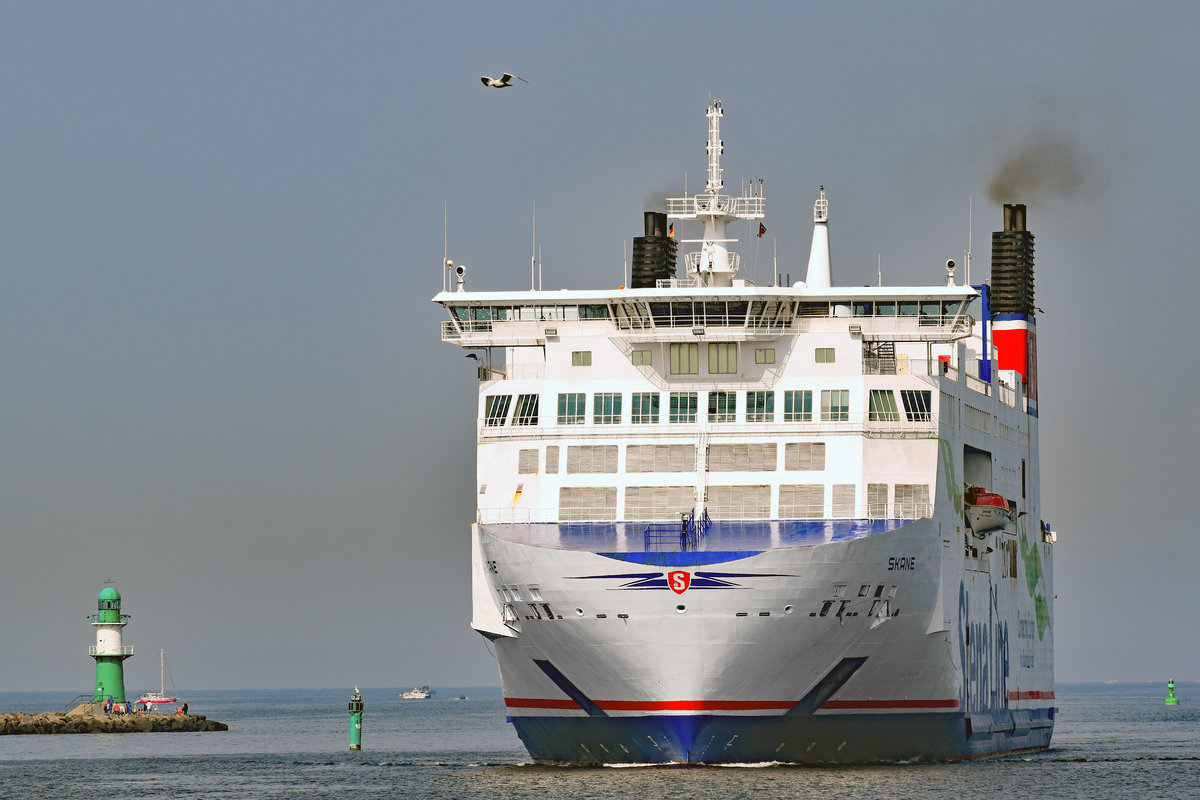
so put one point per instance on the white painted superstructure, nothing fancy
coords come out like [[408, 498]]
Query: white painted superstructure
[[722, 522]]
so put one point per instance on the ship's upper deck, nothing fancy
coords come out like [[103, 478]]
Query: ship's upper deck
[[885, 313]]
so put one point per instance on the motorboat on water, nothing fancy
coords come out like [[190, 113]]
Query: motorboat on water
[[421, 693]]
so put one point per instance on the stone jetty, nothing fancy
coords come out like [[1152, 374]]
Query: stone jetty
[[90, 718]]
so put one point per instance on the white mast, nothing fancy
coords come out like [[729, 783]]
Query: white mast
[[714, 265]]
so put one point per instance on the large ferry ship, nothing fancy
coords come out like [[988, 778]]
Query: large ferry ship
[[723, 523]]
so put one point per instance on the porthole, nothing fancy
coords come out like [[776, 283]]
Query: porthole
[[681, 609], [579, 611], [787, 609]]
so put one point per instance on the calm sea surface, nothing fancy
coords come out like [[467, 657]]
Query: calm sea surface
[[1109, 741]]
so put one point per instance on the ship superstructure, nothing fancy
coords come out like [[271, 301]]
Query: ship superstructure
[[719, 522]]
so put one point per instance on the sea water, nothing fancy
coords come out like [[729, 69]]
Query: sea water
[[1109, 741]]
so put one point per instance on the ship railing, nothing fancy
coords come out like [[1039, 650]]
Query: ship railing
[[79, 699], [694, 261], [860, 424], [123, 650], [673, 520]]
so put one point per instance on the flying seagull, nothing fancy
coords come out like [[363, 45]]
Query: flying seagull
[[503, 82]]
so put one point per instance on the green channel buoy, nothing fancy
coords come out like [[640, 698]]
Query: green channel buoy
[[356, 711], [1171, 700]]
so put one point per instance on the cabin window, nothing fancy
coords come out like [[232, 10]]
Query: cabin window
[[882, 406], [527, 410], [877, 498], [685, 358], [572, 408], [587, 503], [722, 406], [862, 308], [722, 358], [912, 501], [749, 457], [643, 358], [825, 355], [917, 404], [908, 308], [606, 408], [644, 408], [843, 501], [885, 309], [835, 405], [802, 501], [581, 358], [760, 406], [739, 502], [527, 461], [804, 456], [659, 502], [660, 458], [683, 406], [764, 355], [587, 458], [797, 406], [495, 409]]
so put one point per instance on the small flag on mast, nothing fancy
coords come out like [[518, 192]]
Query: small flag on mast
[[761, 230], [671, 231]]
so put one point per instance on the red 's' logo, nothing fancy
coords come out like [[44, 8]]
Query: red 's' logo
[[679, 581]]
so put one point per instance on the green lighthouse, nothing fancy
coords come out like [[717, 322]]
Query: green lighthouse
[[108, 651]]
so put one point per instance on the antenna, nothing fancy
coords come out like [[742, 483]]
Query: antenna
[[624, 263], [533, 249], [445, 246], [970, 225], [539, 267], [775, 262], [879, 267]]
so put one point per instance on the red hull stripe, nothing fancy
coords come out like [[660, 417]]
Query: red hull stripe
[[723, 705], [1034, 695]]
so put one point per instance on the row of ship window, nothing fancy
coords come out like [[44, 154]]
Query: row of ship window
[[643, 458], [715, 312], [684, 407], [684, 357]]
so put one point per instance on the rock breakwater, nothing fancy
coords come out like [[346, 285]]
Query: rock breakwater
[[90, 718]]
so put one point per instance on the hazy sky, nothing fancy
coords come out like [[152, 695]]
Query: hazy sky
[[222, 383]]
